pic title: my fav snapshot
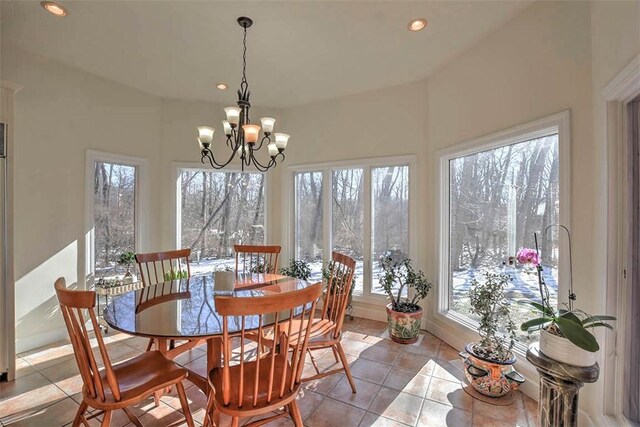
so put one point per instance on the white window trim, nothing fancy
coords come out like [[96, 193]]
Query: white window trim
[[454, 322], [142, 204], [176, 211], [617, 94], [366, 164]]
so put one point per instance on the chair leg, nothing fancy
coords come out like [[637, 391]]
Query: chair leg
[[335, 354], [106, 419], [313, 362], [150, 345], [235, 422], [294, 411], [345, 365], [79, 415], [156, 397], [184, 403], [208, 413], [132, 417]]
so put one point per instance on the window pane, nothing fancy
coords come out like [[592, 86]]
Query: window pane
[[114, 215], [308, 227], [348, 217], [219, 210], [498, 199], [389, 216]]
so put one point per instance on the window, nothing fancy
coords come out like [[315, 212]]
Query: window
[[498, 194], [218, 210], [114, 214], [366, 215]]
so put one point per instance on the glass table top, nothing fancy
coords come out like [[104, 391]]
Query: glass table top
[[186, 308]]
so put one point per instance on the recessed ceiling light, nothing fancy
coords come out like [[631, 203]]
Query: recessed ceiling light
[[221, 86], [54, 8], [417, 24]]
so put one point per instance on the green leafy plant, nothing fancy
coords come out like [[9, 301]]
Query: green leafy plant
[[490, 304], [403, 274], [175, 275], [127, 259], [338, 283], [296, 268], [572, 324]]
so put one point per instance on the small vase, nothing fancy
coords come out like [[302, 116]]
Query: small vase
[[404, 328], [564, 351]]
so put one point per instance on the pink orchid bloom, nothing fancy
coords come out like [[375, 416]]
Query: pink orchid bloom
[[528, 256]]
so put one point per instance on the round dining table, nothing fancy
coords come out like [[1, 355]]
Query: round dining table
[[185, 310]]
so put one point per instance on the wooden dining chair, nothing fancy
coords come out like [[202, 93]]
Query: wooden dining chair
[[259, 382], [257, 258], [160, 267], [118, 386], [326, 331]]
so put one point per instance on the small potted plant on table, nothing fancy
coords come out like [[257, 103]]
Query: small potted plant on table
[[404, 314], [127, 259], [566, 335], [488, 362], [297, 268]]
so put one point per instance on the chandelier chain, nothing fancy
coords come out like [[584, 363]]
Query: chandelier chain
[[244, 83]]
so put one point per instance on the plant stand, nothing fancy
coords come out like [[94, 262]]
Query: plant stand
[[559, 387]]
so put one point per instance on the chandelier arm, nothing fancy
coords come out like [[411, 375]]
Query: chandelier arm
[[259, 166], [268, 138], [208, 154]]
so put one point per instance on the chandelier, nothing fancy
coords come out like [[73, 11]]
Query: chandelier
[[242, 135]]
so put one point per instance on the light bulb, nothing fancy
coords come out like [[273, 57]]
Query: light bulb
[[267, 124], [227, 127], [205, 135], [281, 140], [233, 115], [251, 133], [273, 150]]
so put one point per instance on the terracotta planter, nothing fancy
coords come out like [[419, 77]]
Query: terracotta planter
[[564, 351], [404, 328], [488, 377]]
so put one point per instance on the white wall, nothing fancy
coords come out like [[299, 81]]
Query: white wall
[[60, 113]]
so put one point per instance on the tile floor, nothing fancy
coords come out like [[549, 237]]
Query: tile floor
[[416, 385]]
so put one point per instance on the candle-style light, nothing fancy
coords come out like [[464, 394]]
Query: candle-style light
[[243, 137]]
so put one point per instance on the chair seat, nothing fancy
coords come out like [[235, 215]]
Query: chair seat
[[245, 404], [142, 375]]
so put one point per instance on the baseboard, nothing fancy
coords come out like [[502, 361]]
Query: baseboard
[[34, 341]]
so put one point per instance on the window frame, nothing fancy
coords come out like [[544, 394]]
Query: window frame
[[367, 165], [141, 207], [557, 123], [176, 211]]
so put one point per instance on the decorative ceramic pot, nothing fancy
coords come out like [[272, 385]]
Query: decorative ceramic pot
[[564, 351], [404, 328], [489, 377]]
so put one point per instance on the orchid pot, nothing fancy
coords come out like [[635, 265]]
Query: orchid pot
[[564, 351]]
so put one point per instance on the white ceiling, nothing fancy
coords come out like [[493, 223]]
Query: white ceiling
[[298, 51]]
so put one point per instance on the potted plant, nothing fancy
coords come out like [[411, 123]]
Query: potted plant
[[297, 268], [404, 314], [566, 335], [127, 259], [337, 284], [488, 362]]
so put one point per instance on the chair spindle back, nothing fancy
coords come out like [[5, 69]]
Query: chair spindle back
[[341, 271], [159, 267], [73, 304], [257, 258], [273, 371]]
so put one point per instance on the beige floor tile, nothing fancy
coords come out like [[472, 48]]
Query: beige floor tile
[[323, 385], [308, 401], [369, 370], [531, 408], [44, 357], [58, 414], [407, 381], [23, 368], [412, 362], [436, 414], [366, 392], [514, 414], [486, 421], [397, 405], [331, 413], [354, 348], [374, 420], [22, 385], [449, 393], [161, 416], [447, 371], [66, 376], [381, 354], [29, 403], [446, 352]]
